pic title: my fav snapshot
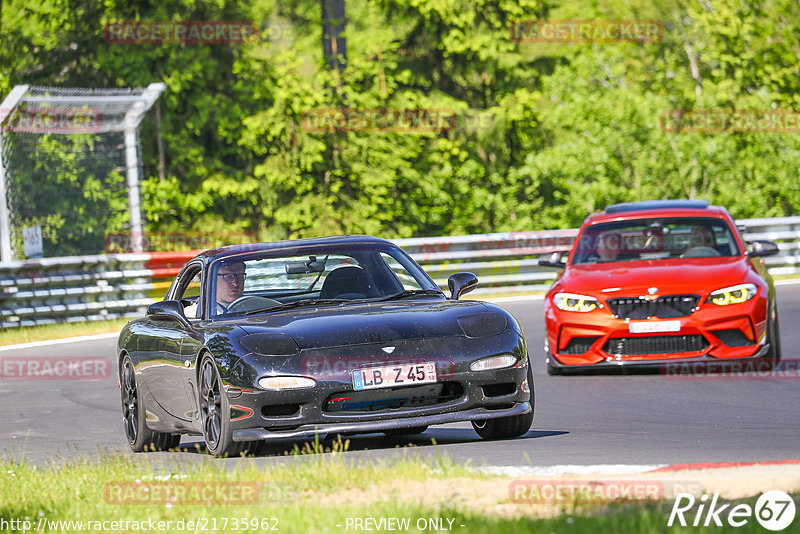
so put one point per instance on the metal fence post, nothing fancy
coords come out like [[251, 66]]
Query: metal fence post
[[132, 120], [6, 108], [134, 201]]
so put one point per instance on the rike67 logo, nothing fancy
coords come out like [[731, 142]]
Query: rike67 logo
[[774, 510]]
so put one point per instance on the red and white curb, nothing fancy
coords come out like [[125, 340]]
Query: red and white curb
[[557, 470], [625, 469], [724, 465]]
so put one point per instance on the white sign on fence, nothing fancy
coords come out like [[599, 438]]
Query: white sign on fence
[[32, 241]]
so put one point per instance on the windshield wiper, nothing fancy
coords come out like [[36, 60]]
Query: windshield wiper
[[411, 293], [296, 304]]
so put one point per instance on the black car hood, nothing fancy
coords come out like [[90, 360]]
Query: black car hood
[[379, 322]]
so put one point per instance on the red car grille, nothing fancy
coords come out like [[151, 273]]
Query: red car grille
[[636, 346], [663, 307]]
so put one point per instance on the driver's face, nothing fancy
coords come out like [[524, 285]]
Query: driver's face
[[608, 245], [702, 237], [230, 283]]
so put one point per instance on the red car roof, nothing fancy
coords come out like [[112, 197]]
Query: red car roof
[[651, 212]]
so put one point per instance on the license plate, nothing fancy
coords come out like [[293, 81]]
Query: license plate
[[654, 326], [388, 376]]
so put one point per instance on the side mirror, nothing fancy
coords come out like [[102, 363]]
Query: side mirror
[[762, 248], [554, 259], [168, 308], [461, 283]]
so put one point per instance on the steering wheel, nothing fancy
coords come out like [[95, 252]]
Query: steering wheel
[[255, 302], [700, 252]]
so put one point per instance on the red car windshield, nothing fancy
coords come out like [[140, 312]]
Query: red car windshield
[[655, 239]]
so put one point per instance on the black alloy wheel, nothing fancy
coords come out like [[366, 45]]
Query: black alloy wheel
[[140, 437], [215, 415]]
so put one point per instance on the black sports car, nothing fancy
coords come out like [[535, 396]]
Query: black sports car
[[325, 336]]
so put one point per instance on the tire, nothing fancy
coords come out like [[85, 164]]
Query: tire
[[512, 426], [410, 431], [215, 413], [140, 438], [773, 337]]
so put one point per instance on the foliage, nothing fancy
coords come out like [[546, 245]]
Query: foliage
[[544, 133]]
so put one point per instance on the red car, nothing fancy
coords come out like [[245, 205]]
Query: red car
[[659, 281]]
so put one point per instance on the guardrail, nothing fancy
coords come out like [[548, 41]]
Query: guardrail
[[81, 288], [503, 262], [75, 288]]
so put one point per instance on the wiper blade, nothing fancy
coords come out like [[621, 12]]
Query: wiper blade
[[411, 293], [296, 304]]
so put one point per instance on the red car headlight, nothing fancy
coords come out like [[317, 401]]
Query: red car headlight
[[733, 295], [575, 303]]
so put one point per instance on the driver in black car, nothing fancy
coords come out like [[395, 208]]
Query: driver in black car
[[230, 284]]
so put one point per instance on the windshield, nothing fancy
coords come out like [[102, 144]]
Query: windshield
[[332, 275], [655, 239]]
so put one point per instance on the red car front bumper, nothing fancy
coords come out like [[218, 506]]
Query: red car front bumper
[[596, 337]]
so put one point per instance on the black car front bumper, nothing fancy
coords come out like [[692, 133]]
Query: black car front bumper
[[474, 414]]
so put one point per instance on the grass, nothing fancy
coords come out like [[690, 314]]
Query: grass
[[12, 336], [316, 490]]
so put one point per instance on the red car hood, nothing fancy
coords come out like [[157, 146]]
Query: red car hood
[[695, 275]]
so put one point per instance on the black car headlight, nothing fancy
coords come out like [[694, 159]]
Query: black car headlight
[[270, 344], [493, 362], [733, 294], [482, 324], [278, 383]]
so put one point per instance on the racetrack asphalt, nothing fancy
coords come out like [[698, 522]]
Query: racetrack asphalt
[[646, 420]]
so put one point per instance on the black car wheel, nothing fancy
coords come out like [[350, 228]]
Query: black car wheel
[[215, 412], [140, 438], [508, 427]]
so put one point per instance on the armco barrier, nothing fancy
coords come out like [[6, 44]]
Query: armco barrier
[[503, 262], [107, 286], [77, 288]]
